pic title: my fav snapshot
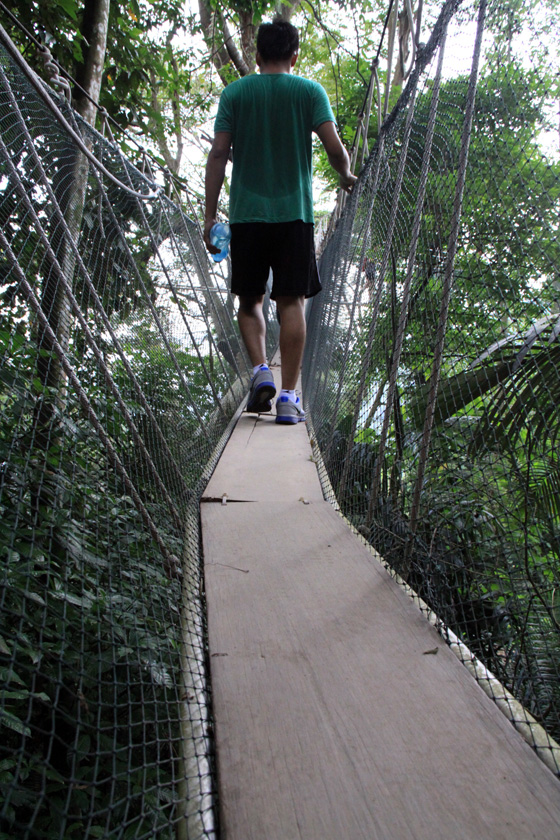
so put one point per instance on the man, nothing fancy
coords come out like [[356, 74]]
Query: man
[[269, 119]]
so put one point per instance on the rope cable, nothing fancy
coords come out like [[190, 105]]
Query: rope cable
[[195, 344], [377, 156], [171, 562], [78, 311], [390, 48], [415, 234], [155, 315], [204, 274], [369, 93], [448, 279], [419, 22], [202, 265], [92, 291]]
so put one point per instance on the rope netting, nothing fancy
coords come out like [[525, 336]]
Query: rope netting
[[121, 372], [432, 368]]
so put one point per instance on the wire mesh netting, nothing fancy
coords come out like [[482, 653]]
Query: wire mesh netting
[[432, 368], [121, 371]]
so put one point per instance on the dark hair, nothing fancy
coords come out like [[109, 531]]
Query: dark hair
[[277, 41]]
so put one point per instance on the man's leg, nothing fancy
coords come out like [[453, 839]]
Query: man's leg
[[253, 327], [292, 337], [292, 342], [253, 331]]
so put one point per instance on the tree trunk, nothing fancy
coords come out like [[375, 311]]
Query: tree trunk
[[220, 42], [69, 186], [219, 39], [248, 38], [71, 183], [172, 161], [89, 75]]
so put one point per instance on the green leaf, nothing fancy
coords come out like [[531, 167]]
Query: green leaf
[[15, 695], [36, 598], [7, 676], [69, 7], [96, 831], [12, 722]]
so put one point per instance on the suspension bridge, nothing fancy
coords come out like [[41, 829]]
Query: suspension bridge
[[215, 626]]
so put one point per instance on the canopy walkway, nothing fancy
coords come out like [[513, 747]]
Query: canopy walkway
[[338, 711], [296, 666]]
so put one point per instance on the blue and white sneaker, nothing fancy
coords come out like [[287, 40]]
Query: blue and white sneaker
[[288, 411], [261, 392]]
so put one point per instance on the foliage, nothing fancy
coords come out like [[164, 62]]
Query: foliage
[[158, 81], [148, 83], [526, 29], [90, 670]]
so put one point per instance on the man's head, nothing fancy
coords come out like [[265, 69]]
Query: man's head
[[277, 41]]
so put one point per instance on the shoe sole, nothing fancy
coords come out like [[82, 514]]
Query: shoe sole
[[262, 399], [288, 420]]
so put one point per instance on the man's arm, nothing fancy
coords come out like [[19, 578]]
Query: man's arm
[[337, 154], [215, 173]]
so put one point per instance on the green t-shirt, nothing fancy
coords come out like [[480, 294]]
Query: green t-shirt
[[270, 117]]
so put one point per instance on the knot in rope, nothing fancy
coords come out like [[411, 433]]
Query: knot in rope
[[52, 71]]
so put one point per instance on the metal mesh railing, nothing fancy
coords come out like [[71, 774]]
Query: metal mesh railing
[[432, 370], [121, 371]]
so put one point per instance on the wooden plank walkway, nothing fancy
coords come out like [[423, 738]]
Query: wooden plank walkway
[[332, 722]]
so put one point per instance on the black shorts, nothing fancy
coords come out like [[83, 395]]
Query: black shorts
[[288, 248]]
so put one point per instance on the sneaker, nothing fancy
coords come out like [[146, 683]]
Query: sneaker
[[261, 392], [288, 411]]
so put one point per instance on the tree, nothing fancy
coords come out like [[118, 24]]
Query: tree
[[143, 76]]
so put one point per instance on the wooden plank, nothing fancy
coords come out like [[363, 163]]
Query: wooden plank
[[331, 719]]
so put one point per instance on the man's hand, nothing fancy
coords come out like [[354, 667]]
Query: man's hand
[[337, 154], [347, 182], [215, 172], [208, 225]]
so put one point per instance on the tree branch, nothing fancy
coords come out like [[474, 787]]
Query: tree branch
[[90, 74], [236, 58], [219, 54]]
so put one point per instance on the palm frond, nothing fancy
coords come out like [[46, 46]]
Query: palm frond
[[520, 378]]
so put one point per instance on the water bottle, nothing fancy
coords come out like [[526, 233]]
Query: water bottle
[[220, 236]]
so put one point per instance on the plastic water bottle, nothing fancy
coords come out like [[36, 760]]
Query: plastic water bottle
[[220, 236]]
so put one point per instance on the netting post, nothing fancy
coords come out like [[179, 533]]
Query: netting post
[[366, 227], [380, 278], [403, 317]]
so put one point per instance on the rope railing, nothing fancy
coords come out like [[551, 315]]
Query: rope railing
[[433, 380]]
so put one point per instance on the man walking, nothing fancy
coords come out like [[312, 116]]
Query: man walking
[[269, 119]]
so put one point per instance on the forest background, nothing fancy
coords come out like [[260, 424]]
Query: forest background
[[157, 68]]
